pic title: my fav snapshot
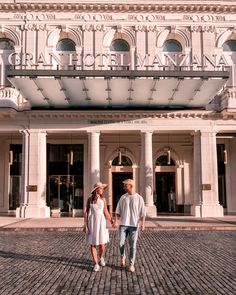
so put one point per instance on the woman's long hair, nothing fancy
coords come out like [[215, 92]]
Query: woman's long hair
[[94, 196]]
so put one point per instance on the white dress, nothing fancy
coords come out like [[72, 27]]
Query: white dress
[[98, 232]]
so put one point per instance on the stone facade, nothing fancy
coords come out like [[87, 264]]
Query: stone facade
[[173, 135]]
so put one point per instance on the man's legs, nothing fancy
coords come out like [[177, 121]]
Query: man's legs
[[169, 203], [174, 206], [133, 237], [123, 235]]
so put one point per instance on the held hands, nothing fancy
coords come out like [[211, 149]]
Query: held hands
[[85, 229], [114, 223]]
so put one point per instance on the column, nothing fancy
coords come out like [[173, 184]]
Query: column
[[34, 175], [195, 208], [147, 167], [94, 158], [206, 200]]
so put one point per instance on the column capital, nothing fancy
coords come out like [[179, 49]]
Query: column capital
[[94, 132], [146, 131], [30, 131], [24, 131], [208, 133]]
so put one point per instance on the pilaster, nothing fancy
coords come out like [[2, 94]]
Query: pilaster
[[34, 176], [206, 201]]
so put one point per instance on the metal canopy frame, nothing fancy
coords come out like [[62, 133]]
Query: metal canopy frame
[[117, 89], [118, 73]]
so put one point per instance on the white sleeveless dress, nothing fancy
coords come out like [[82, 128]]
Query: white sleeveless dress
[[98, 232]]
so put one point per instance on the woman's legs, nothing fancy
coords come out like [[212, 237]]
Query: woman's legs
[[94, 253], [102, 249]]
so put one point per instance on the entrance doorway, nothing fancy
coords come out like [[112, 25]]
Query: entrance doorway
[[65, 177], [164, 182], [64, 192], [15, 176], [117, 186]]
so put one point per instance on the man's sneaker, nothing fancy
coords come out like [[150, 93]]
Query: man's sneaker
[[96, 267], [132, 268], [102, 261], [122, 261]]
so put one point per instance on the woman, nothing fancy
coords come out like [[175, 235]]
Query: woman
[[95, 217]]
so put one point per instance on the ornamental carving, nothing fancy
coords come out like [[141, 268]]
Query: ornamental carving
[[95, 17], [140, 28], [98, 28], [209, 29], [19, 16], [204, 18], [33, 27], [78, 16], [149, 17], [107, 17], [89, 27], [153, 28], [32, 16], [195, 28]]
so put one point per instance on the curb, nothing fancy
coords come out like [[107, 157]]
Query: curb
[[147, 229]]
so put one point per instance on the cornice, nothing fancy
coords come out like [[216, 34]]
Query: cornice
[[117, 116], [106, 117], [204, 7]]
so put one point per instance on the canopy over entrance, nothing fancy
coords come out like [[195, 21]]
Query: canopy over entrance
[[117, 89]]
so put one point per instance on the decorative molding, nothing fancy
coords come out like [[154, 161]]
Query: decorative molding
[[209, 28], [35, 17], [33, 27], [90, 27], [204, 18], [216, 8], [116, 117]]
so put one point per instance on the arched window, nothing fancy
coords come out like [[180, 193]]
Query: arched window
[[172, 46], [163, 161], [65, 45], [125, 161], [6, 44], [229, 45], [119, 45]]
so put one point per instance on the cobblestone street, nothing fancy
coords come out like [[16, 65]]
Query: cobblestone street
[[171, 262]]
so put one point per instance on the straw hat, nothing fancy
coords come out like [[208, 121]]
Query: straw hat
[[99, 184], [129, 181]]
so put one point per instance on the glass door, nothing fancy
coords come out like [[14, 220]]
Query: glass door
[[65, 177], [65, 192], [14, 192]]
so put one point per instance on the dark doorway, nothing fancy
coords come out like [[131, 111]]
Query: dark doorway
[[117, 186], [221, 174], [65, 177], [164, 181]]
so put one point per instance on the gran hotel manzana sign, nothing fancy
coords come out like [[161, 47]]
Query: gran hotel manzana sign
[[112, 60]]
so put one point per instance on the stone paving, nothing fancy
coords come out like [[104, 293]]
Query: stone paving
[[158, 223], [168, 262]]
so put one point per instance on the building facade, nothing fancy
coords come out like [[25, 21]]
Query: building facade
[[105, 91]]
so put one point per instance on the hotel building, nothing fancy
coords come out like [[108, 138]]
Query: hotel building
[[108, 90]]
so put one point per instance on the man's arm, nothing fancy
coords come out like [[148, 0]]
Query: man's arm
[[142, 222], [143, 214]]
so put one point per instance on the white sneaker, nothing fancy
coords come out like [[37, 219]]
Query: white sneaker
[[132, 268], [96, 267], [102, 261]]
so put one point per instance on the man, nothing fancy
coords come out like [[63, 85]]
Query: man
[[171, 200], [131, 211]]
